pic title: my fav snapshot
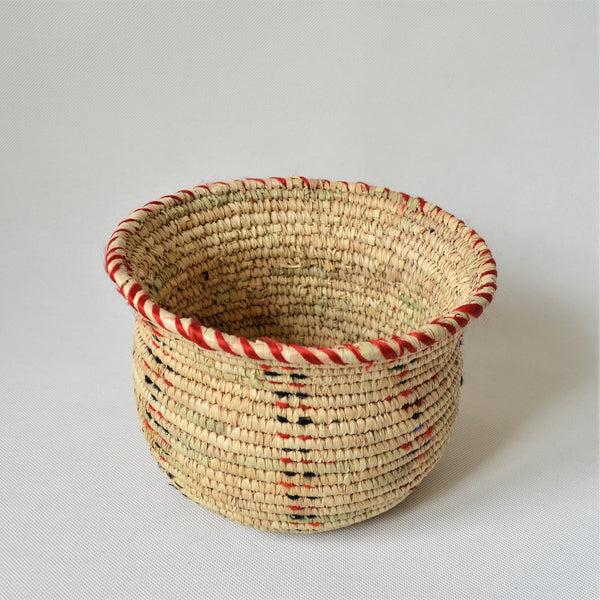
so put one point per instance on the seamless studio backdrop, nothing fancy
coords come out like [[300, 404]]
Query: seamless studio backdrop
[[489, 109]]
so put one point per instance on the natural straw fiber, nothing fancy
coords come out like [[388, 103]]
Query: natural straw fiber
[[297, 359]]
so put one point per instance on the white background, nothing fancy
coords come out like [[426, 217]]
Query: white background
[[489, 109]]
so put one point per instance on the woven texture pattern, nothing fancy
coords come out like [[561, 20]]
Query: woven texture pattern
[[297, 349]]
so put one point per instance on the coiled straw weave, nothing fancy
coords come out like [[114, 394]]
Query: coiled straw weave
[[297, 359]]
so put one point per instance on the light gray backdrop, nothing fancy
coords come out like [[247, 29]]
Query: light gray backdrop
[[489, 109]]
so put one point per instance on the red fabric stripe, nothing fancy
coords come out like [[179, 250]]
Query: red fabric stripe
[[460, 320], [249, 350], [485, 285], [446, 326], [492, 272], [133, 290], [281, 180], [140, 304], [196, 335], [356, 353], [424, 339], [486, 295], [307, 354], [115, 257], [471, 309], [156, 315], [275, 349], [333, 356], [385, 350], [180, 328], [407, 392], [121, 229], [285, 436], [115, 249], [404, 344], [223, 344], [282, 404], [109, 259], [112, 272]]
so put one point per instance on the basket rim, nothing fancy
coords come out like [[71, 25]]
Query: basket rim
[[266, 349]]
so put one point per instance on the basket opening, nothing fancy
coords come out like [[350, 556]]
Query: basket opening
[[307, 267]]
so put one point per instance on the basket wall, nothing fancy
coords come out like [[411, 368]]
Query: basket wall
[[297, 350]]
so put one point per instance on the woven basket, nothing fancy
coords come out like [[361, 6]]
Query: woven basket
[[297, 359]]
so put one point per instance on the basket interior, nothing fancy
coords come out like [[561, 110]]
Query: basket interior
[[303, 266]]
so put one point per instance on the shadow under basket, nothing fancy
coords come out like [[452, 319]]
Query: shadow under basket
[[297, 359]]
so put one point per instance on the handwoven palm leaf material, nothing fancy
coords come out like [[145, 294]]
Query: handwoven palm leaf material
[[297, 359]]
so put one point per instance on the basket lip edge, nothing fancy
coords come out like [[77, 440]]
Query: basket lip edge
[[266, 349]]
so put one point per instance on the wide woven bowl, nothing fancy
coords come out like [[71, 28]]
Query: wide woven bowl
[[297, 359]]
